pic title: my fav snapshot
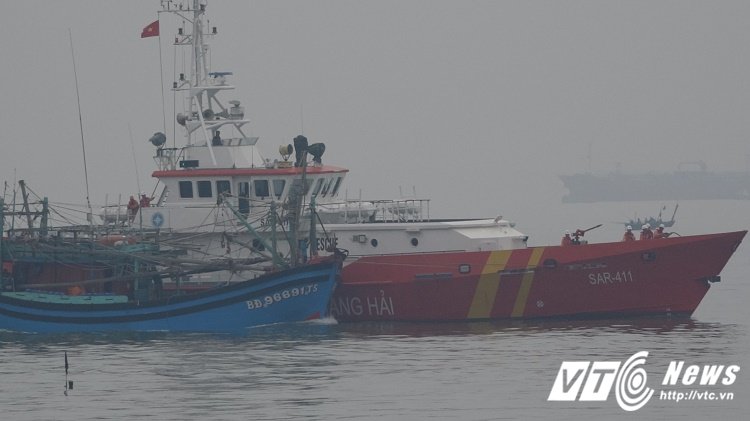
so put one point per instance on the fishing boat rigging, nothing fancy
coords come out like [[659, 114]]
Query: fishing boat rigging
[[125, 276]]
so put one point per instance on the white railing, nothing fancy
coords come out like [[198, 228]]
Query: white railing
[[363, 211]]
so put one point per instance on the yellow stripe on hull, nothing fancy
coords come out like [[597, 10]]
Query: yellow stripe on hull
[[528, 278], [489, 281]]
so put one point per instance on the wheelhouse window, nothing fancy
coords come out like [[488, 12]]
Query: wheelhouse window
[[223, 187], [243, 193], [326, 187], [278, 188], [186, 189], [261, 188], [318, 186], [204, 189], [336, 186]]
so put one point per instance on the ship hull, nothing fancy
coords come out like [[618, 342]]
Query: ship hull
[[683, 185], [288, 296], [666, 276]]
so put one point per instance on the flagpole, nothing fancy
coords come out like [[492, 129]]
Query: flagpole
[[152, 30], [161, 77]]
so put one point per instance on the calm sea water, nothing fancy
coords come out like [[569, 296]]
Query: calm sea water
[[328, 371]]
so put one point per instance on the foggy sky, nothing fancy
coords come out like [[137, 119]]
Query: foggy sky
[[478, 105]]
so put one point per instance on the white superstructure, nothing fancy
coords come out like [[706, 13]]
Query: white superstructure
[[218, 185]]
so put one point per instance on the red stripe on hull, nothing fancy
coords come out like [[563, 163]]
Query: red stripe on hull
[[643, 277]]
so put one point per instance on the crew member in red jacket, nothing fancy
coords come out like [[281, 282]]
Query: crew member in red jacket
[[628, 236], [646, 233], [659, 233], [132, 208], [566, 240]]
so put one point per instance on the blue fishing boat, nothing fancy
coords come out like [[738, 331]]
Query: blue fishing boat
[[289, 295], [72, 279]]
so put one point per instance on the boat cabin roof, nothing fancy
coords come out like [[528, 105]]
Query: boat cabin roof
[[243, 172]]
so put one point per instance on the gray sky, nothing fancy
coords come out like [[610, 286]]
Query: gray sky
[[477, 104]]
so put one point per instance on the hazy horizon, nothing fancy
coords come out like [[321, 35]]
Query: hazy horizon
[[478, 105]]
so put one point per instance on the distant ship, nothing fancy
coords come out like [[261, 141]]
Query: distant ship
[[692, 181]]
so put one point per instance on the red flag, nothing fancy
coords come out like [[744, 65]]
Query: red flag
[[151, 30]]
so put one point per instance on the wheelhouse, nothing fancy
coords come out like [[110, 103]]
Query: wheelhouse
[[205, 186]]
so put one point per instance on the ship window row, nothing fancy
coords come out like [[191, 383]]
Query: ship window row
[[322, 186], [261, 188], [204, 188]]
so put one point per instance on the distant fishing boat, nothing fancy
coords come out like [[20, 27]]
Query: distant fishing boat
[[638, 223]]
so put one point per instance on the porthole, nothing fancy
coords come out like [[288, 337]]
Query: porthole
[[414, 242], [648, 256], [464, 268], [374, 242], [550, 263]]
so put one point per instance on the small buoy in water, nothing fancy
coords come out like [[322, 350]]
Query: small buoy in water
[[68, 383]]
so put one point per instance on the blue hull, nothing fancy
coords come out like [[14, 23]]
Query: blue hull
[[288, 296]]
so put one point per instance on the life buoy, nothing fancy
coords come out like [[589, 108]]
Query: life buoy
[[76, 290], [116, 240]]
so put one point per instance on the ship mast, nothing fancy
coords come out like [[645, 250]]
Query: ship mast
[[198, 65], [205, 113]]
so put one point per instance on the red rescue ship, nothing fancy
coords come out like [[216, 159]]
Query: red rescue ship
[[668, 276], [218, 195]]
